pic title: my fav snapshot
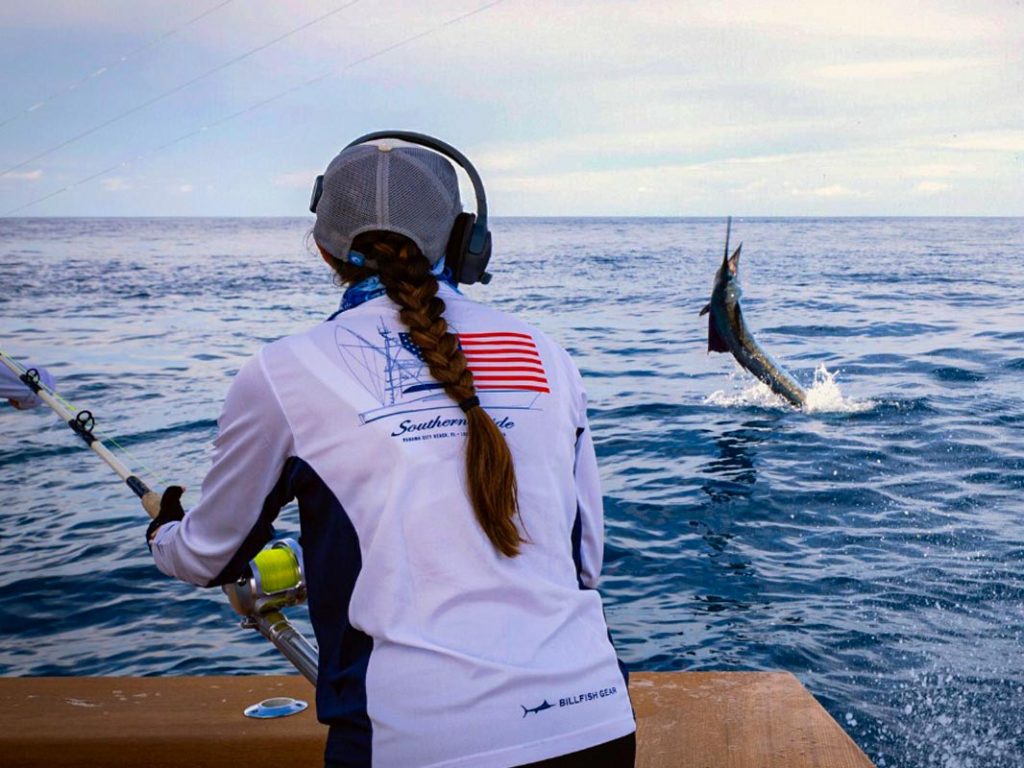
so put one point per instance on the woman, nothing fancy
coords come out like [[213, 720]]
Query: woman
[[448, 495]]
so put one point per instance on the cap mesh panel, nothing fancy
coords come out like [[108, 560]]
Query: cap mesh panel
[[408, 190]]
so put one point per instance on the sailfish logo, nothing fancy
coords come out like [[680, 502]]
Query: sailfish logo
[[538, 709]]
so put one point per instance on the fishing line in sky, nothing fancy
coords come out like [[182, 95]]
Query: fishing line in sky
[[253, 107], [182, 86], [112, 65]]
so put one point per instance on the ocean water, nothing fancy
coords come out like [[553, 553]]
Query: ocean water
[[872, 544]]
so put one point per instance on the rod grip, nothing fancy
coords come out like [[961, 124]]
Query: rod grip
[[151, 503]]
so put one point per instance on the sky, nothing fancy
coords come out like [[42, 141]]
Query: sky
[[567, 107]]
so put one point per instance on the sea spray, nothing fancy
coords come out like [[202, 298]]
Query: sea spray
[[823, 396]]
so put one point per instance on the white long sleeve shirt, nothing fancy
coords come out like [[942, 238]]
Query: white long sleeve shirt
[[435, 650]]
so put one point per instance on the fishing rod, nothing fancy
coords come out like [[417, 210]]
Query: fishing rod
[[82, 424], [275, 579]]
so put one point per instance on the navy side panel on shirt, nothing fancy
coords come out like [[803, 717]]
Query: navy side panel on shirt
[[577, 545], [332, 561], [577, 558]]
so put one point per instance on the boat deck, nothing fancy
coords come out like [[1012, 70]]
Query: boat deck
[[684, 720]]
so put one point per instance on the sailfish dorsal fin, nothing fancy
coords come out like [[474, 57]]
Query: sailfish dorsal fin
[[734, 261]]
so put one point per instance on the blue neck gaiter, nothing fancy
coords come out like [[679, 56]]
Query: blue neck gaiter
[[371, 288]]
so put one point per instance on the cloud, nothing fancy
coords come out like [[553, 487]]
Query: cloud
[[868, 19], [35, 175], [183, 188], [116, 184], [831, 190], [987, 141], [297, 179], [894, 69], [932, 187], [875, 179], [941, 170], [743, 143]]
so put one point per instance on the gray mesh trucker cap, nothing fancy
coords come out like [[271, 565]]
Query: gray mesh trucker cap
[[388, 186]]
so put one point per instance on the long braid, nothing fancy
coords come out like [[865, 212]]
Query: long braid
[[490, 472]]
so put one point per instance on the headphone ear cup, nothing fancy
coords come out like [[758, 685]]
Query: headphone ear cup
[[458, 244], [318, 192], [474, 266]]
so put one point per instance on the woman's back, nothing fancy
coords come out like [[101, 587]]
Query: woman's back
[[462, 638]]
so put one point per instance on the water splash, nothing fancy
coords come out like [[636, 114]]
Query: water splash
[[823, 396], [757, 395], [946, 721]]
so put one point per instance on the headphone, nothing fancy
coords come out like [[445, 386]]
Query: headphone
[[469, 245]]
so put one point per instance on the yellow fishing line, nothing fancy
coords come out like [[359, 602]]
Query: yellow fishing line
[[278, 568], [135, 460]]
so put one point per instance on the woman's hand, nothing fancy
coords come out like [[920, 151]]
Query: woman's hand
[[170, 511]]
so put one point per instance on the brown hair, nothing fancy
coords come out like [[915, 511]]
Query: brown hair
[[490, 473]]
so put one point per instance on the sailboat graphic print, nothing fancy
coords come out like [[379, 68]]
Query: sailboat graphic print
[[507, 370]]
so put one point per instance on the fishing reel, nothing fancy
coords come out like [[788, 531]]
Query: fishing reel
[[275, 581]]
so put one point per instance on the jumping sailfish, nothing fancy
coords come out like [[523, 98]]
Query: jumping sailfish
[[727, 332]]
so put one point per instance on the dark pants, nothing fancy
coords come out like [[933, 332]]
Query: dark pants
[[620, 753]]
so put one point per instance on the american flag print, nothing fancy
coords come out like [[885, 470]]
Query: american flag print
[[504, 360], [498, 360]]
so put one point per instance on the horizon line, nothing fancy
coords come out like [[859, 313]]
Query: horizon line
[[549, 216]]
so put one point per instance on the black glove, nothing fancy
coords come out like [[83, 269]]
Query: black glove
[[170, 510]]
